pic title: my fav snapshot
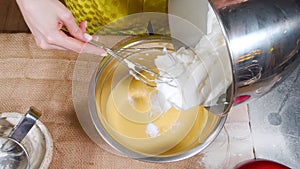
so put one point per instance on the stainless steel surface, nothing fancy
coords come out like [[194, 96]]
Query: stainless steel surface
[[263, 39], [275, 123], [25, 124], [13, 155]]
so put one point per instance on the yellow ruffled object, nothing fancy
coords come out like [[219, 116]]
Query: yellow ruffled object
[[99, 13]]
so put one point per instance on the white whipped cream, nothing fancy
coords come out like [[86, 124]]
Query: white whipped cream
[[201, 76], [152, 130]]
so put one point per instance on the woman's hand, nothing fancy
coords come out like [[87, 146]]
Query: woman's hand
[[45, 18]]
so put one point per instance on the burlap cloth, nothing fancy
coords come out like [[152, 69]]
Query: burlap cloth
[[30, 76]]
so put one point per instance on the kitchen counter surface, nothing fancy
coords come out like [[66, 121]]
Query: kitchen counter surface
[[275, 122]]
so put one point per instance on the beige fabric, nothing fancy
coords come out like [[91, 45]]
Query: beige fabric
[[43, 78]]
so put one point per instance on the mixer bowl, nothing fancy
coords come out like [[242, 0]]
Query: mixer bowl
[[263, 40], [196, 132]]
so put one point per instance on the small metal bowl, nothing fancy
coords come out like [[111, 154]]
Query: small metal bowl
[[38, 142]]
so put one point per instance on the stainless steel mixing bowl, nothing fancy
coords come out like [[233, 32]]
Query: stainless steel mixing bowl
[[107, 76], [263, 39]]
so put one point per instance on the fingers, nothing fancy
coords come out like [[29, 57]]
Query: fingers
[[78, 46], [84, 47], [88, 48], [43, 42], [61, 41], [47, 31], [83, 26], [71, 25]]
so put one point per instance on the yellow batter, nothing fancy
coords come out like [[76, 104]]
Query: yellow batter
[[129, 118]]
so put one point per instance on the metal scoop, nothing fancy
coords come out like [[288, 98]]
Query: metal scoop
[[12, 152]]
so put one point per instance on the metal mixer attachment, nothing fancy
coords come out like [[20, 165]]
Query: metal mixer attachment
[[140, 72]]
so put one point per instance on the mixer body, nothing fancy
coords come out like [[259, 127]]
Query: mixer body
[[263, 39]]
